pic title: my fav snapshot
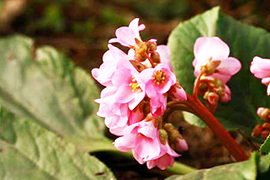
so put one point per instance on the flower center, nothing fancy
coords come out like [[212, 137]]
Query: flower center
[[159, 77], [134, 85]]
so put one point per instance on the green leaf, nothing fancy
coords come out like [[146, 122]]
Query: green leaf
[[265, 147], [43, 85], [264, 164], [28, 151], [245, 42], [246, 170]]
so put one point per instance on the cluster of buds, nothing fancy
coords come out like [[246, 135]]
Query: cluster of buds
[[260, 68], [264, 129], [139, 85], [214, 68], [213, 90]]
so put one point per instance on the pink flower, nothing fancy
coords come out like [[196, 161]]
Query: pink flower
[[178, 93], [126, 35], [165, 158], [111, 58], [214, 49], [227, 95], [142, 138], [130, 88], [158, 80], [158, 105], [261, 69], [117, 116]]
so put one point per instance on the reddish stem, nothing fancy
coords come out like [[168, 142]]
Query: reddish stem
[[225, 138], [196, 86]]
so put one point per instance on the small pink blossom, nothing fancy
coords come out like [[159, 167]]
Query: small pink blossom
[[214, 49], [126, 35], [158, 80], [117, 116], [178, 93], [158, 105], [130, 87], [260, 67], [165, 158], [142, 138], [227, 96], [111, 58]]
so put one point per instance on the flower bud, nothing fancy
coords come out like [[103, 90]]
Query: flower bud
[[266, 126], [265, 134], [257, 130], [173, 133], [211, 67], [211, 97], [155, 57], [163, 136], [181, 145], [263, 113], [151, 45], [139, 66]]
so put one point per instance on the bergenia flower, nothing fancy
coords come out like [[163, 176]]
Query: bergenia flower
[[143, 139], [164, 159], [138, 85], [130, 87], [214, 49], [115, 114], [111, 58], [158, 80], [260, 67], [126, 35]]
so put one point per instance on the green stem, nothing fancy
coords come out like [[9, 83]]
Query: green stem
[[106, 145], [179, 168]]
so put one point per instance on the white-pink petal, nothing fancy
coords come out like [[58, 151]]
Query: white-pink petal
[[214, 48]]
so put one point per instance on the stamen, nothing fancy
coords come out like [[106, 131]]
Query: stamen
[[159, 77], [134, 85]]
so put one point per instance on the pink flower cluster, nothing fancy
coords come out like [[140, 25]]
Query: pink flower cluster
[[212, 57], [138, 85]]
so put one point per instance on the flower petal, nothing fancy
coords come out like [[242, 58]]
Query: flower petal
[[214, 48]]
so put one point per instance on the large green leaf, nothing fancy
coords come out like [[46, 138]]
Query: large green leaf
[[43, 85], [265, 147], [245, 42], [246, 170], [29, 151]]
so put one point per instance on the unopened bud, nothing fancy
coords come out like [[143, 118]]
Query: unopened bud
[[151, 45], [211, 67], [181, 145], [163, 136], [211, 97], [263, 113], [265, 134], [173, 133], [140, 51], [257, 130], [139, 66], [155, 57], [266, 126]]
